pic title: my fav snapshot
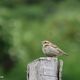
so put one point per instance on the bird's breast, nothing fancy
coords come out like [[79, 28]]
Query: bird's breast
[[49, 49]]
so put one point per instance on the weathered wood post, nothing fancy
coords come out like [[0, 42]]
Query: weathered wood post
[[45, 68]]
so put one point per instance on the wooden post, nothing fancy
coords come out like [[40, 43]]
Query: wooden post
[[45, 68]]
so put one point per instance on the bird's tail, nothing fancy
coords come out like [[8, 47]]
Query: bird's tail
[[66, 54]]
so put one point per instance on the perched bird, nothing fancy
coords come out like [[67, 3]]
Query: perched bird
[[51, 50]]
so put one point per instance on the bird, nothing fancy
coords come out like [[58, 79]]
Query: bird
[[51, 50]]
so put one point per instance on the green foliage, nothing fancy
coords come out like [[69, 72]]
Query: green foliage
[[23, 27]]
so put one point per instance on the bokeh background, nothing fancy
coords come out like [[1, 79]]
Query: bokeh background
[[25, 23]]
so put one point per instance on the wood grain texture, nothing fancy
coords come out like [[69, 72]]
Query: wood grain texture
[[45, 68]]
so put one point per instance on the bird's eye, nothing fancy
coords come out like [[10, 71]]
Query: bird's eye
[[45, 42]]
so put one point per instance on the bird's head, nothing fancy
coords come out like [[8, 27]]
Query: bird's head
[[45, 42]]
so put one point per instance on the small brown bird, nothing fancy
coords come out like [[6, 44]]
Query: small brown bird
[[51, 50]]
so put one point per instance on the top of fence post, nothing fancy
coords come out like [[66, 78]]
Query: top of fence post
[[45, 68]]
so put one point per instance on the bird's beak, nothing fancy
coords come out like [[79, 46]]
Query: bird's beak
[[42, 42]]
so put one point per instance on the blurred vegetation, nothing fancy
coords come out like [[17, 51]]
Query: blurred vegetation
[[25, 23]]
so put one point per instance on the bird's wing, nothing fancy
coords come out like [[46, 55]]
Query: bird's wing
[[61, 51]]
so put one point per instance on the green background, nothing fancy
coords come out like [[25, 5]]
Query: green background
[[25, 23]]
